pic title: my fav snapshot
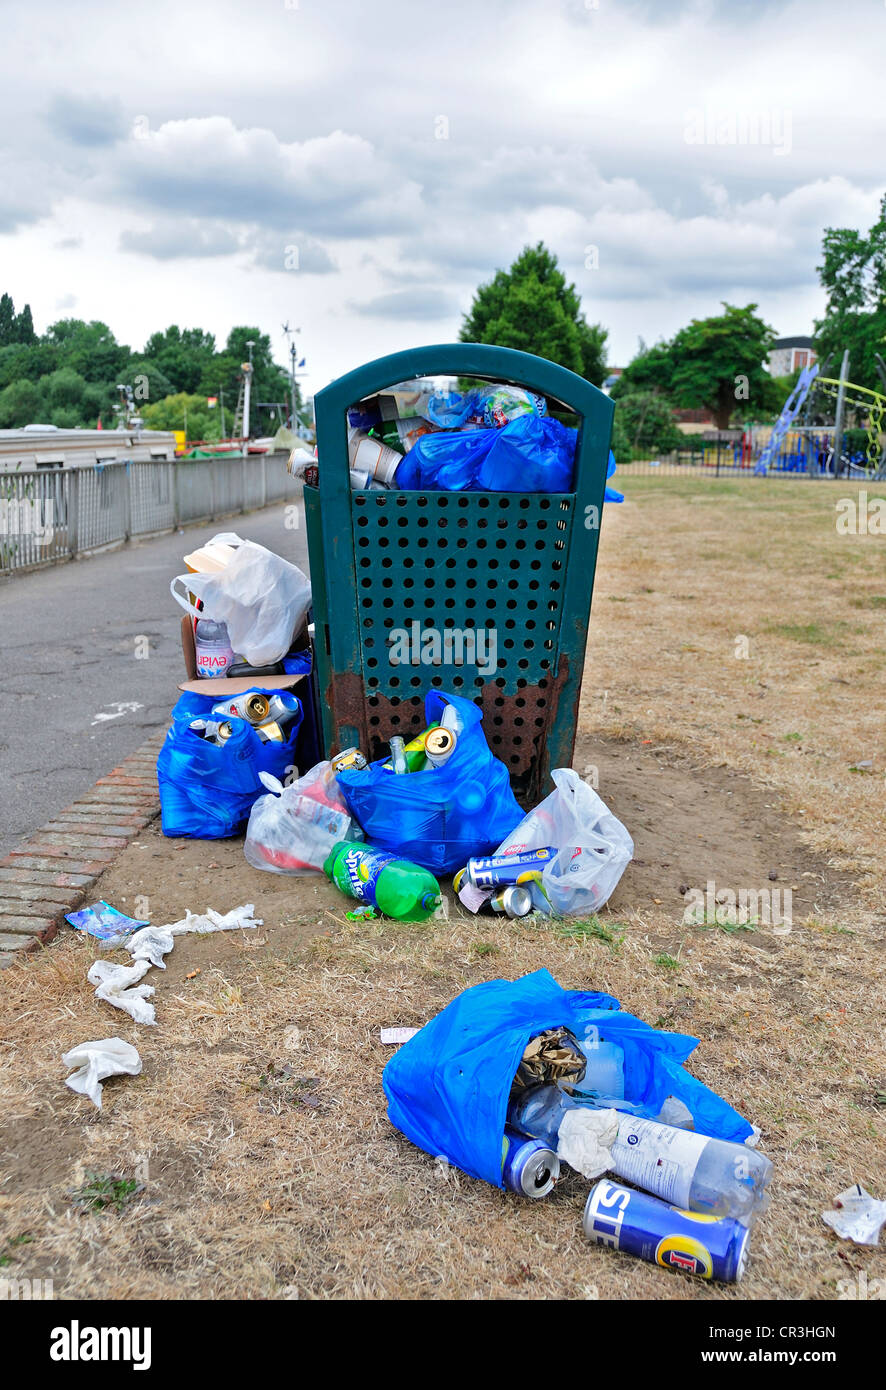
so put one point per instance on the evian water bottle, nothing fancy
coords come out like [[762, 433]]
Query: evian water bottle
[[214, 653]]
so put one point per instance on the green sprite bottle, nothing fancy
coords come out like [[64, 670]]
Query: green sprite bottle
[[394, 886]]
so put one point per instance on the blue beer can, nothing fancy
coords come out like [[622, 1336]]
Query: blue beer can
[[501, 870], [707, 1246], [528, 1166]]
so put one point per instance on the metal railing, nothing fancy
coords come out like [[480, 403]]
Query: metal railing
[[49, 515]]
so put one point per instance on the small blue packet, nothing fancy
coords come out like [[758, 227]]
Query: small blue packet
[[105, 922]]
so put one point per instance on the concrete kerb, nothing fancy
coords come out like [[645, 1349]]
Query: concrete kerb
[[52, 871]]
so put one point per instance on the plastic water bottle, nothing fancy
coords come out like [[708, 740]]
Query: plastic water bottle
[[686, 1169], [394, 886], [213, 649]]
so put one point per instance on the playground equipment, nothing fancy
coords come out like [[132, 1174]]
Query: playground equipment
[[817, 449]]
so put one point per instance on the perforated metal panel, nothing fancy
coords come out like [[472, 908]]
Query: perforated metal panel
[[461, 591]]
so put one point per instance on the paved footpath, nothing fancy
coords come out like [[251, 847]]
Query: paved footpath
[[77, 701]]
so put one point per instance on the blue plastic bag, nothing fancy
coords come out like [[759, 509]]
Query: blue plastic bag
[[530, 454], [610, 494], [447, 1088], [207, 789], [441, 817]]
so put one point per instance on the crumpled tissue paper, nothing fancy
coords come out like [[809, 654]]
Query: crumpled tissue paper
[[585, 1140], [97, 1061]]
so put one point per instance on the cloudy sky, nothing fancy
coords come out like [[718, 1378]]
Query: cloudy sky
[[359, 169]]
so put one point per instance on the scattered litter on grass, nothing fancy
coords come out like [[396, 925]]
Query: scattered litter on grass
[[858, 1216], [104, 922], [96, 1061]]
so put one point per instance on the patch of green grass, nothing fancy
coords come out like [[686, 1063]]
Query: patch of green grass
[[792, 738], [869, 601], [814, 633], [592, 927], [709, 920], [24, 1239], [667, 962], [103, 1190], [485, 948]]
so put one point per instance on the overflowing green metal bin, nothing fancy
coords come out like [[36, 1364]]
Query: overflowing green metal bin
[[520, 564]]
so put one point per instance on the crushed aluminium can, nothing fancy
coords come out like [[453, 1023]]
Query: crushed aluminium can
[[501, 870], [349, 760], [528, 1166], [707, 1246]]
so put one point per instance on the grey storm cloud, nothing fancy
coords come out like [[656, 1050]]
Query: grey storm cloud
[[335, 185], [180, 238], [421, 302], [172, 238], [89, 121]]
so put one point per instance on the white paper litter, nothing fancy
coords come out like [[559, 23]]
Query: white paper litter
[[473, 898], [585, 1140], [859, 1216], [398, 1035], [151, 944], [209, 921], [118, 985], [97, 1061]]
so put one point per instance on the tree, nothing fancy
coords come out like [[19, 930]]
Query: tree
[[853, 272], [148, 381], [24, 326], [90, 348], [181, 355], [714, 364], [644, 421], [7, 321], [64, 388], [531, 307], [21, 403], [183, 411]]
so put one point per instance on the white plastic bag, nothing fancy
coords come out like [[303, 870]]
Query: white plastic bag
[[261, 598], [292, 830], [594, 848]]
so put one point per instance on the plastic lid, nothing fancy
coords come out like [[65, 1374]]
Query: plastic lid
[[430, 899]]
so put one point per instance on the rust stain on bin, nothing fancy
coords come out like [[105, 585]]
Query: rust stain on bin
[[517, 727]]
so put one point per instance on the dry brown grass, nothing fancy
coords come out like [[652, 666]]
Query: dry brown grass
[[259, 1125]]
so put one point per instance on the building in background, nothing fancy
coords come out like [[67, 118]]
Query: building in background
[[790, 355]]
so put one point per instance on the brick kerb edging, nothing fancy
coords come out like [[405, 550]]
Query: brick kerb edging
[[54, 869]]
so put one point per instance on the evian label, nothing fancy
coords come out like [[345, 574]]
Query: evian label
[[214, 660]]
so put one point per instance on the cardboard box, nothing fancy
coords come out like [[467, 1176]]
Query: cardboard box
[[230, 685]]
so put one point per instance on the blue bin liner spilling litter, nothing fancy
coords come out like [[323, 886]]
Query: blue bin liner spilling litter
[[441, 817], [207, 789], [447, 1088], [530, 454]]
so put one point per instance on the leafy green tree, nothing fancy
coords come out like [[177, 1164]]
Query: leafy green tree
[[181, 354], [148, 381], [532, 308], [64, 387], [853, 272], [21, 403], [24, 326], [644, 421], [183, 411], [7, 321], [714, 364], [90, 348]]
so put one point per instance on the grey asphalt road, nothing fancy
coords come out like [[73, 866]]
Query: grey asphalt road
[[68, 651]]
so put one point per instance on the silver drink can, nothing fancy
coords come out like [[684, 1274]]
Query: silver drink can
[[528, 1166], [515, 901]]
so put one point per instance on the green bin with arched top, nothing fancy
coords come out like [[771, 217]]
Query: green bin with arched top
[[519, 564]]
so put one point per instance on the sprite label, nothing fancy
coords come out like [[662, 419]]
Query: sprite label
[[355, 871]]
